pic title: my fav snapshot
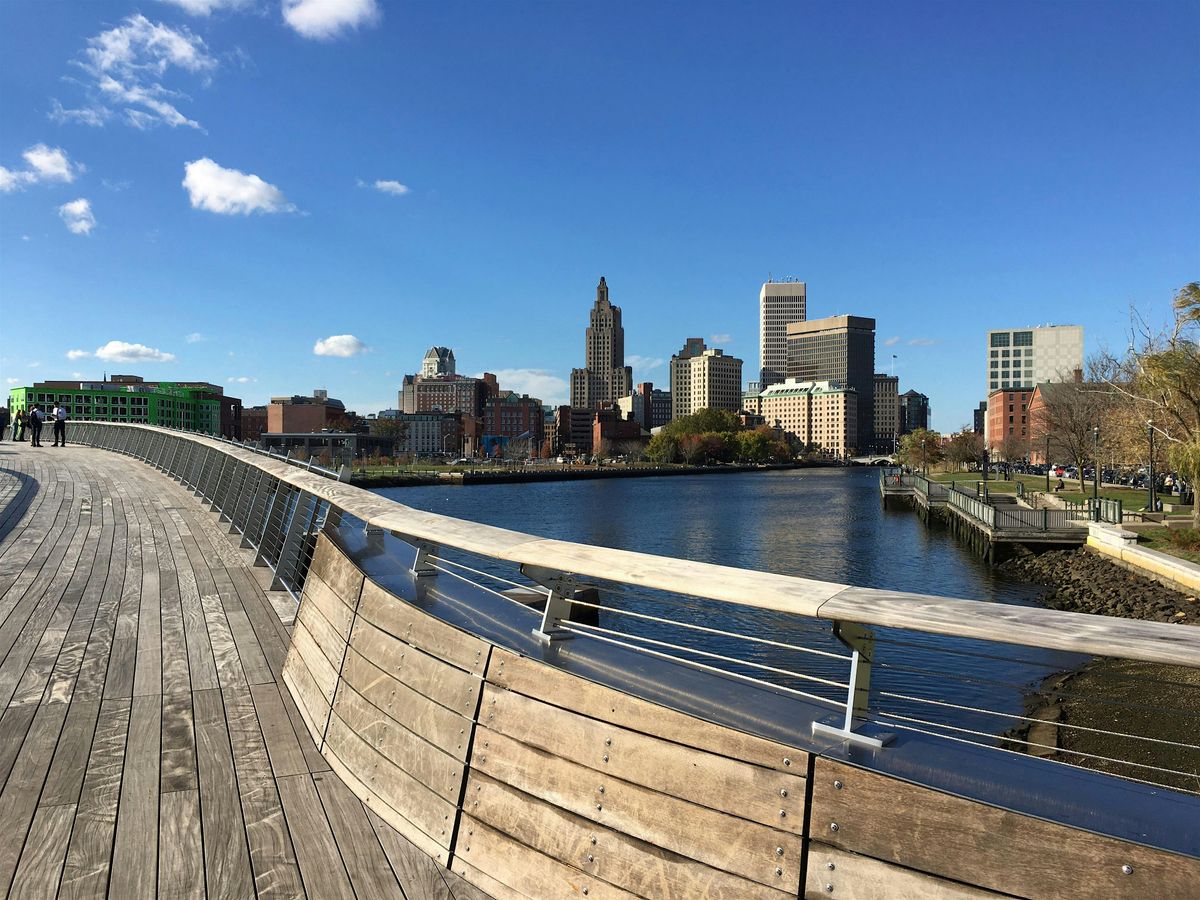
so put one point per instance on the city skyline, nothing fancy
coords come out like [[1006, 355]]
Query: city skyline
[[280, 203]]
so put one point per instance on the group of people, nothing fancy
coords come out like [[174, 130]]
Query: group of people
[[32, 422]]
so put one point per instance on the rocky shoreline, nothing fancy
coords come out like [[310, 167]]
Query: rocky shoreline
[[1082, 581], [1110, 694]]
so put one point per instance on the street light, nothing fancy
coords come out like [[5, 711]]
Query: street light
[[924, 467], [1153, 507], [1046, 461], [1096, 469]]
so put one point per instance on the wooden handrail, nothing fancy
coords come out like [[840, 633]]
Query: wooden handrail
[[1024, 626]]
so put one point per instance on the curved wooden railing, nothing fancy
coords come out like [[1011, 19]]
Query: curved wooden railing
[[532, 781]]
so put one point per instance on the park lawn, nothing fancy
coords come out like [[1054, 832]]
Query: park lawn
[[1157, 539], [1130, 499]]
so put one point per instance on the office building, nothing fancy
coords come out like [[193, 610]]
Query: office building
[[648, 406], [604, 378], [914, 412], [1021, 358], [299, 414], [190, 405], [887, 411], [820, 416], [509, 416], [571, 434], [437, 361], [704, 378], [1008, 421], [841, 349], [980, 424], [780, 303]]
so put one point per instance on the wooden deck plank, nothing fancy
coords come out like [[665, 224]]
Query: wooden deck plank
[[18, 800], [135, 848], [42, 862], [370, 873], [180, 848], [321, 864], [65, 779]]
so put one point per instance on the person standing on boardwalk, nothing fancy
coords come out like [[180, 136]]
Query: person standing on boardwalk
[[60, 426], [3, 420], [19, 426], [35, 418]]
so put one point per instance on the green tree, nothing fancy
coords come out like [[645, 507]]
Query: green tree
[[965, 448], [921, 447]]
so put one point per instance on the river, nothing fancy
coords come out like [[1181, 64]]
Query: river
[[826, 524]]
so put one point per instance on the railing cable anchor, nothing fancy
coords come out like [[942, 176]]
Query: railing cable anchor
[[861, 643]]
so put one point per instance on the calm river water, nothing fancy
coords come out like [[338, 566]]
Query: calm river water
[[827, 524]]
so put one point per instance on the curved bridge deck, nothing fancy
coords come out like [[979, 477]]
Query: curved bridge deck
[[147, 744]]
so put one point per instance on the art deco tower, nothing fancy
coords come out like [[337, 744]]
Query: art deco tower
[[605, 378]]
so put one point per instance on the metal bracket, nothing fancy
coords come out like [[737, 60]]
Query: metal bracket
[[422, 567], [562, 588], [861, 643]]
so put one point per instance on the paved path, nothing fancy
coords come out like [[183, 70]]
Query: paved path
[[147, 745]]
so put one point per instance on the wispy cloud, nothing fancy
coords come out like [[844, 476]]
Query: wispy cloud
[[546, 386], [123, 351], [892, 341], [43, 164], [339, 345], [644, 363], [240, 379], [325, 19], [126, 67], [12, 380], [231, 192], [208, 7], [114, 185], [195, 338], [386, 186], [717, 340], [77, 216], [922, 342], [78, 354]]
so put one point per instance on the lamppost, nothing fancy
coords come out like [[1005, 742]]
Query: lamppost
[[1046, 461], [1096, 469], [924, 467], [1153, 507], [985, 463]]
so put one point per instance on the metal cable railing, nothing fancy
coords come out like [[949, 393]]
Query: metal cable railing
[[944, 669]]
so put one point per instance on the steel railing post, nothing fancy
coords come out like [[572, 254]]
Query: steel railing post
[[861, 643]]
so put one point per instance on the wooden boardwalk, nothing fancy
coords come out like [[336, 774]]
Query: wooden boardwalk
[[147, 744]]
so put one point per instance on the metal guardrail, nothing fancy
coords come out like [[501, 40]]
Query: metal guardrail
[[279, 509]]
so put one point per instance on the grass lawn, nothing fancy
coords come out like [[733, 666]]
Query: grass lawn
[[1156, 539], [1132, 500]]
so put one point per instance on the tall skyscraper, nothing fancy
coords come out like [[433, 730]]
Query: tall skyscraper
[[1022, 358], [780, 303], [838, 348], [887, 411], [703, 378], [914, 412], [604, 378]]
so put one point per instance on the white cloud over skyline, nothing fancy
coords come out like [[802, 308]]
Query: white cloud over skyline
[[541, 383], [339, 345], [77, 216], [44, 164], [123, 351], [716, 340], [644, 363], [391, 187], [892, 341], [325, 19], [78, 354], [194, 338], [231, 192]]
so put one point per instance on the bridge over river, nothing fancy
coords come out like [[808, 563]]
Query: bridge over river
[[223, 674]]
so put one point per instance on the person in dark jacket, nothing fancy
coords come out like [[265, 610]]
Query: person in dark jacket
[[35, 418], [19, 426]]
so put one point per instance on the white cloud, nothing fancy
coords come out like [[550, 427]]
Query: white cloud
[[121, 351], [76, 374], [208, 7], [922, 342], [892, 341], [77, 216], [644, 363], [35, 365], [127, 65], [718, 339], [229, 191], [78, 354], [392, 187], [44, 164], [546, 386], [12, 380], [241, 379], [323, 19], [194, 338], [339, 345]]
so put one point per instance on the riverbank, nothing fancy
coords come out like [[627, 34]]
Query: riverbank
[[571, 473], [1083, 581]]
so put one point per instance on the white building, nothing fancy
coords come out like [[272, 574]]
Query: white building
[[779, 304], [437, 361], [820, 414], [1023, 358], [704, 378]]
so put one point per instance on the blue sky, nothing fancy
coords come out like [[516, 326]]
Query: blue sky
[[209, 189]]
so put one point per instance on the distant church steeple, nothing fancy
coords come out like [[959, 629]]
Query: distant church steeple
[[602, 291]]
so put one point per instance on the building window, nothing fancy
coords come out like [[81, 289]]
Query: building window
[[1022, 338], [1000, 339]]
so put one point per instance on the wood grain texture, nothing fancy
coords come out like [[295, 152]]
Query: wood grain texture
[[180, 848], [951, 837], [362, 854], [864, 878], [539, 681], [335, 571], [717, 839], [417, 873], [226, 861], [432, 636], [623, 861], [135, 849], [42, 862], [321, 864], [752, 792]]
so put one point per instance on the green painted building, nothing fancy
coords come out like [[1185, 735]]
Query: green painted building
[[191, 405]]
